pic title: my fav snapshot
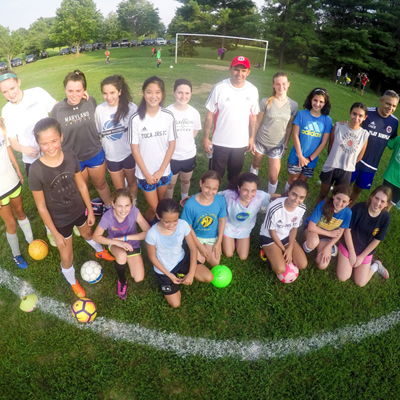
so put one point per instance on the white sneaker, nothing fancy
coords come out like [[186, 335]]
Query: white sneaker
[[51, 239], [76, 231], [382, 271]]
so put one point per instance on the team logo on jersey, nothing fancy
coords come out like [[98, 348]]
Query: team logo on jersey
[[206, 221], [242, 216], [372, 125], [389, 129], [113, 133], [375, 232], [349, 143], [294, 220]]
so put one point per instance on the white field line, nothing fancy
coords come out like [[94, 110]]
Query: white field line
[[185, 346]]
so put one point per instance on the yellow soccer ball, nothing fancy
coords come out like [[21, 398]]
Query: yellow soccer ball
[[38, 249], [84, 310]]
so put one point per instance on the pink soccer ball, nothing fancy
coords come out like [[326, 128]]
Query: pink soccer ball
[[290, 275]]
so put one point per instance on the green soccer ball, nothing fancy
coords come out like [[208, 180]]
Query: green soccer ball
[[222, 276]]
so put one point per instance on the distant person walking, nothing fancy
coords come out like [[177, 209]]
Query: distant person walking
[[364, 82], [153, 51], [107, 53], [159, 53], [356, 83], [223, 50], [338, 75], [219, 53]]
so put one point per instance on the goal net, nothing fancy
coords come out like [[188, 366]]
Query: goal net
[[190, 44]]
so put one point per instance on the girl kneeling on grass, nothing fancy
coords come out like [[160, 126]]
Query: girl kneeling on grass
[[123, 239], [243, 202], [62, 197], [369, 224], [279, 229], [326, 225], [11, 199], [174, 263], [205, 213]]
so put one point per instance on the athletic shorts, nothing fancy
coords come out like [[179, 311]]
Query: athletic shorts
[[27, 166], [395, 191], [294, 169], [362, 87], [135, 252], [267, 241], [66, 230], [338, 77], [363, 178], [183, 165], [356, 85], [93, 162], [231, 237], [11, 194], [116, 166], [271, 152], [337, 176], [345, 252], [210, 241], [181, 269], [146, 187]]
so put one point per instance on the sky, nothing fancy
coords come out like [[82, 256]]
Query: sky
[[16, 14]]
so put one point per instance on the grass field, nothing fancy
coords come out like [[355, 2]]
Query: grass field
[[317, 338]]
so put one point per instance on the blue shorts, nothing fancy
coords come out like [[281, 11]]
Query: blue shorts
[[363, 178], [151, 188], [93, 162]]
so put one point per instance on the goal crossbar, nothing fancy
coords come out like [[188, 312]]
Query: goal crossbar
[[220, 36]]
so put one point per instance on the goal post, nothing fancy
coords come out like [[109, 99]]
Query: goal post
[[220, 36]]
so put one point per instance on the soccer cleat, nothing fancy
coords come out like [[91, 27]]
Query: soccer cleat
[[76, 231], [121, 290], [334, 252], [78, 289], [51, 239], [19, 260], [262, 255], [105, 255], [382, 271]]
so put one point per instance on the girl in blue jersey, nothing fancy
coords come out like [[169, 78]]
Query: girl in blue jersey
[[311, 129], [326, 225], [243, 202]]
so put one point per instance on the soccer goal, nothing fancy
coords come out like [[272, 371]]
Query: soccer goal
[[220, 37]]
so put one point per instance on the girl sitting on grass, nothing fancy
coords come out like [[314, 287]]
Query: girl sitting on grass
[[279, 229], [174, 262], [205, 213], [347, 145], [11, 199], [326, 225], [368, 226], [123, 240], [243, 202], [152, 134], [311, 129], [62, 197]]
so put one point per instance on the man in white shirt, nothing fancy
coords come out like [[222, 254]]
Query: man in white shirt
[[232, 108]]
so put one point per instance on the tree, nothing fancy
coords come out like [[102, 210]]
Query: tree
[[111, 28], [38, 38], [77, 21], [138, 16], [10, 44]]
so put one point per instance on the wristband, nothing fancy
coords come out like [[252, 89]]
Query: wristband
[[125, 240], [309, 159]]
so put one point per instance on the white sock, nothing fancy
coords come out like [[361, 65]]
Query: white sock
[[374, 267], [12, 240], [25, 225], [97, 246], [253, 170], [69, 274], [107, 207], [272, 188], [183, 195], [47, 230], [287, 186], [306, 249]]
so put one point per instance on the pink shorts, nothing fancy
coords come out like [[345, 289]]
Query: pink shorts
[[367, 260]]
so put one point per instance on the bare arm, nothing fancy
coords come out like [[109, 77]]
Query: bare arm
[[335, 234], [260, 118], [83, 190], [29, 151], [208, 123], [144, 225], [139, 161], [195, 133], [331, 139], [276, 239], [288, 253], [188, 279], [14, 162], [321, 146], [361, 155], [372, 246], [297, 146], [289, 129], [217, 245], [168, 155], [252, 133]]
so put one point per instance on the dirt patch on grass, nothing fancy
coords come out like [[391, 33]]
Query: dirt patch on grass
[[204, 88], [217, 67]]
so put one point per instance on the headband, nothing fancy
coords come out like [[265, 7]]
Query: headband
[[8, 75]]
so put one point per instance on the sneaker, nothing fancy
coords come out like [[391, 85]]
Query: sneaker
[[334, 251], [121, 290], [382, 271], [105, 255], [76, 231], [78, 289], [51, 239], [19, 260], [262, 255]]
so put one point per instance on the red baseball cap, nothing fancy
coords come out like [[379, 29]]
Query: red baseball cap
[[240, 60]]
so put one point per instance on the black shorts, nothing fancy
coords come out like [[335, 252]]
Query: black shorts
[[356, 85], [166, 285], [183, 165], [337, 176], [266, 241], [66, 230], [362, 87], [116, 166], [395, 191]]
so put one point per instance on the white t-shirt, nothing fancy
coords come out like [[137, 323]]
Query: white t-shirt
[[186, 122], [9, 178], [153, 135], [232, 108], [114, 139], [280, 220], [169, 249], [21, 118]]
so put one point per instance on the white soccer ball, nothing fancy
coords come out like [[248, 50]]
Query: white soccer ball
[[334, 250], [91, 272], [171, 66]]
